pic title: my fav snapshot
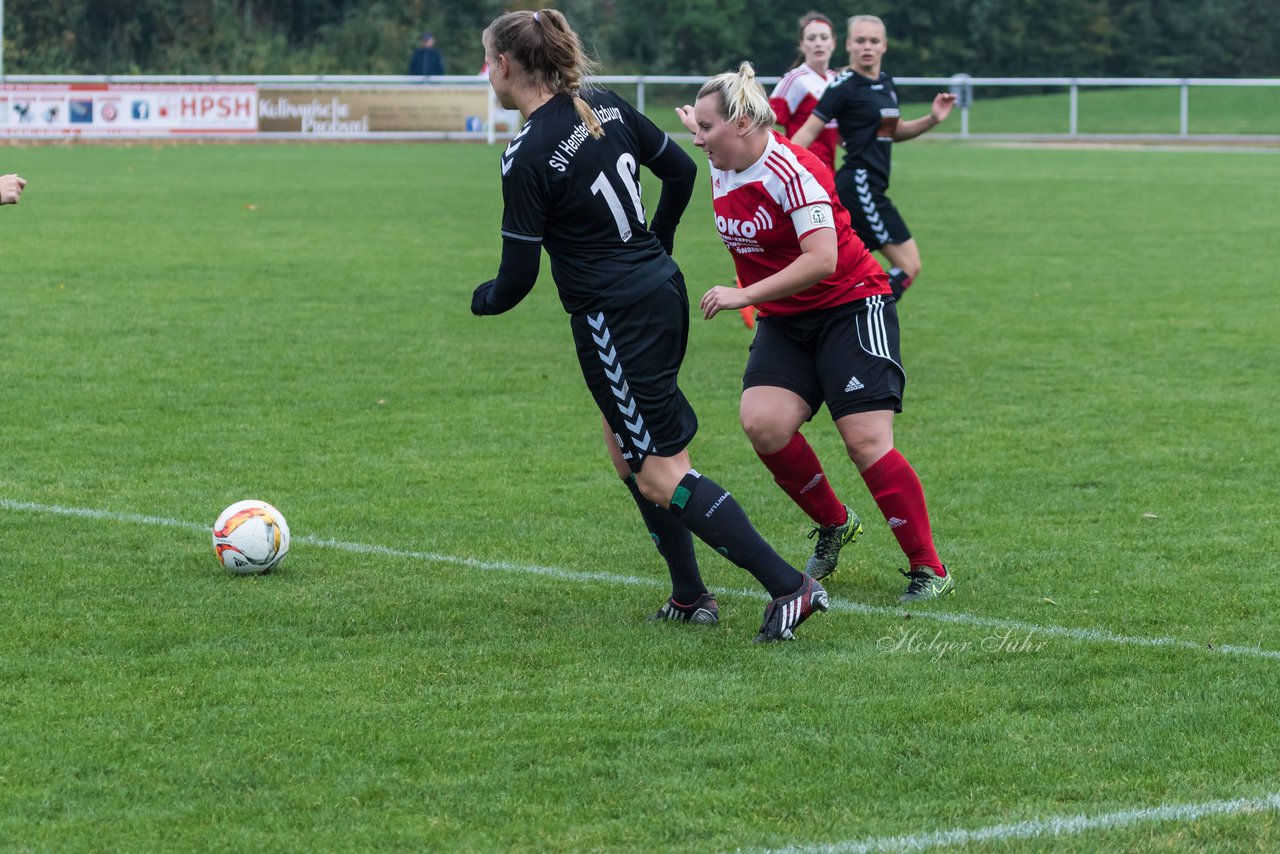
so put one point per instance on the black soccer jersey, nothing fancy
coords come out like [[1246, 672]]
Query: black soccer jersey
[[580, 198], [866, 113]]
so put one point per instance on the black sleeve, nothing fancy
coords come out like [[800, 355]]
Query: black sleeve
[[516, 277], [832, 97], [678, 174]]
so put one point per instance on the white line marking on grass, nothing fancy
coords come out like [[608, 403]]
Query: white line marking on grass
[[85, 513], [1197, 147], [1047, 827], [1086, 635], [1091, 635]]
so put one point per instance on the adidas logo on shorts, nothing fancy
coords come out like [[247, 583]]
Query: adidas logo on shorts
[[853, 385]]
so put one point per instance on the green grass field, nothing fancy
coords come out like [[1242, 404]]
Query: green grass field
[[454, 656]]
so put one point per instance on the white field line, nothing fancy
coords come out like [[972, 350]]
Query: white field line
[[1085, 635], [1121, 145], [1045, 827]]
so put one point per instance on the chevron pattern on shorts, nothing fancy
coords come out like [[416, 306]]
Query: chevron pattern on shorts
[[868, 205], [625, 401]]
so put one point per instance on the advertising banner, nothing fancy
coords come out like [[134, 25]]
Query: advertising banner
[[321, 111], [122, 109], [365, 112]]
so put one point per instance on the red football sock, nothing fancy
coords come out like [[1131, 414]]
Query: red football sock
[[900, 497], [796, 469]]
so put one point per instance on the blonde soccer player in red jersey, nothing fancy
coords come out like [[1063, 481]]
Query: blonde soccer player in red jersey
[[827, 331]]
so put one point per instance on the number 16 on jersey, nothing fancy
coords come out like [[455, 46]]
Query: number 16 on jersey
[[626, 168]]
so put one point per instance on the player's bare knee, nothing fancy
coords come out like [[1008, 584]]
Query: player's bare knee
[[659, 477], [865, 451], [766, 435], [652, 492]]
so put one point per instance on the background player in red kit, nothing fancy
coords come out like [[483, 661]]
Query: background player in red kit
[[864, 105], [570, 183], [826, 333], [798, 91]]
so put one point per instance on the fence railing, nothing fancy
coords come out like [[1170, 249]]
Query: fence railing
[[963, 85]]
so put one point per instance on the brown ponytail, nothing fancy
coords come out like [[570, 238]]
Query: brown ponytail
[[550, 51]]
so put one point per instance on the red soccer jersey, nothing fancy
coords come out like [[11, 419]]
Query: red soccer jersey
[[762, 214], [794, 98]]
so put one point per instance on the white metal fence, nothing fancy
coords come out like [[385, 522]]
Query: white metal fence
[[963, 85]]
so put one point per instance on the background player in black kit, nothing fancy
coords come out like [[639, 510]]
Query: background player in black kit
[[864, 104], [570, 183]]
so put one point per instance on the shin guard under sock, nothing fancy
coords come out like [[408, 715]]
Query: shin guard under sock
[[716, 518], [900, 497], [674, 543], [797, 470]]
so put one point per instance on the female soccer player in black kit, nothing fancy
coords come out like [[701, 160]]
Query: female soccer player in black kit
[[864, 105], [570, 183]]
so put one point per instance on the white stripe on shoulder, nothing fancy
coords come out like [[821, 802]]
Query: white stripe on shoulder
[[792, 88], [799, 186]]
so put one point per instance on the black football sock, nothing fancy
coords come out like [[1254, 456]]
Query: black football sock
[[674, 543], [899, 282], [713, 515]]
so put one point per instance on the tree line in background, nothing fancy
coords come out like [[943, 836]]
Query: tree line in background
[[1086, 38]]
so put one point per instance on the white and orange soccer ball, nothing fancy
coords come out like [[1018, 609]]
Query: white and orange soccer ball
[[250, 537]]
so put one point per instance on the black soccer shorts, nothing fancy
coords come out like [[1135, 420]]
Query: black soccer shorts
[[846, 357], [875, 219], [630, 358]]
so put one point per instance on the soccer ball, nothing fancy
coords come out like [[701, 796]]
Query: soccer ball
[[250, 537]]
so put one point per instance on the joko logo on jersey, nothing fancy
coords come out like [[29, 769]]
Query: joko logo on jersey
[[740, 234]]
